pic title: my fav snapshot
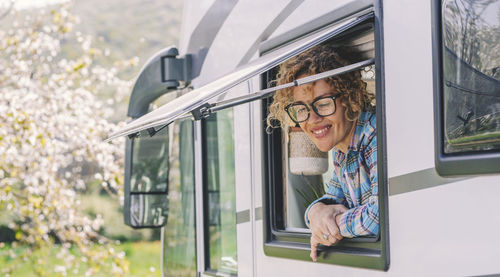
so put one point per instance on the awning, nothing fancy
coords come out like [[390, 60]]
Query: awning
[[199, 98]]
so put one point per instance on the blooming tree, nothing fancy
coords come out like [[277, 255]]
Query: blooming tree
[[52, 127]]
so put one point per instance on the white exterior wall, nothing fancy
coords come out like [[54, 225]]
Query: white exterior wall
[[240, 30], [305, 12], [193, 11], [408, 87]]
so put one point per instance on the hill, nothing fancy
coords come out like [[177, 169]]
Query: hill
[[130, 28]]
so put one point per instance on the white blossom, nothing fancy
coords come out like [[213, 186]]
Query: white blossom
[[52, 125]]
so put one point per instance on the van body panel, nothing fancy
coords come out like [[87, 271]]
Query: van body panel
[[438, 226]]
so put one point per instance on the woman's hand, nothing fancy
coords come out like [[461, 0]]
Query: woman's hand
[[324, 228]]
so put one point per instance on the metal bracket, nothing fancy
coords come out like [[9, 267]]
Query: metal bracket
[[161, 74], [133, 135], [151, 131], [175, 69], [202, 112]]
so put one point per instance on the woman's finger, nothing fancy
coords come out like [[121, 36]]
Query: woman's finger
[[332, 239], [319, 235], [314, 249], [333, 229], [325, 238]]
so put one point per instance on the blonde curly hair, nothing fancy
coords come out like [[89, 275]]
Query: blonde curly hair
[[319, 59]]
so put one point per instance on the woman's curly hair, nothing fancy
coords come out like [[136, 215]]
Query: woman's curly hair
[[319, 59]]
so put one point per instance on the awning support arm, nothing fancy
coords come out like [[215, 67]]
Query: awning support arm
[[206, 109]]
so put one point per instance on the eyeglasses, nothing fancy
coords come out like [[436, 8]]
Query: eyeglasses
[[322, 106]]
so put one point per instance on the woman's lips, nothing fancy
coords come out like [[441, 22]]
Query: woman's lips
[[321, 131]]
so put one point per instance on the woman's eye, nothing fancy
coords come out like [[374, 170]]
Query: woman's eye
[[322, 105], [301, 110]]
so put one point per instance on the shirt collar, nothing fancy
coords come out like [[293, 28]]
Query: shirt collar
[[358, 137]]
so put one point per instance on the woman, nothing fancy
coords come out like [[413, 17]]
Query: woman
[[338, 114]]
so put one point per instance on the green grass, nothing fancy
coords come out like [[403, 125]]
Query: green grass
[[488, 137], [143, 256], [144, 259], [93, 203]]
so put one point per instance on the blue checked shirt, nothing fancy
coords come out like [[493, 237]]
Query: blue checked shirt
[[354, 183]]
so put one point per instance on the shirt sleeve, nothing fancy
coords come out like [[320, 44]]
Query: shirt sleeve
[[364, 219], [334, 195]]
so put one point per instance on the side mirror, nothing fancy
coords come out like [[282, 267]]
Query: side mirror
[[146, 180]]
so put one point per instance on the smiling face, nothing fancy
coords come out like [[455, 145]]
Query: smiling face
[[326, 132]]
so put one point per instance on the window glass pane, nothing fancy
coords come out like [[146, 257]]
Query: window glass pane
[[150, 162], [221, 192], [148, 209], [471, 71], [179, 257]]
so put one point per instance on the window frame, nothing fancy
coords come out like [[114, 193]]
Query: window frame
[[206, 216], [357, 252], [454, 164]]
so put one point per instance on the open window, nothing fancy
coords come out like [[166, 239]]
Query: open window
[[293, 184], [466, 86]]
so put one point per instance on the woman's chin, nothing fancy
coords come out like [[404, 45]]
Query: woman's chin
[[323, 147], [323, 143]]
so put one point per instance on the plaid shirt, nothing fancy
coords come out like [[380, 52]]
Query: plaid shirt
[[354, 183]]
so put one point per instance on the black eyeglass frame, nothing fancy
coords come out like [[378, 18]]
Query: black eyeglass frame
[[333, 97]]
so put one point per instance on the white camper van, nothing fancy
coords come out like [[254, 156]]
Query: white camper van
[[204, 167]]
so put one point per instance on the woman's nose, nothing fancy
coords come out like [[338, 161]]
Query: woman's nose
[[314, 117]]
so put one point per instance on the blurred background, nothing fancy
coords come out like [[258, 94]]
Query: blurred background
[[66, 68]]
